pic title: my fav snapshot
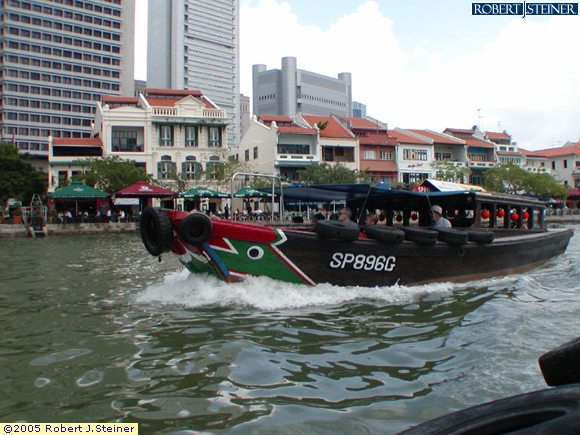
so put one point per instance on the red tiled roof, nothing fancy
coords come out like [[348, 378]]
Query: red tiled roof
[[460, 130], [333, 129], [276, 118], [150, 92], [497, 135], [377, 139], [404, 138], [167, 102], [365, 124], [296, 130], [530, 153], [440, 137], [473, 142], [93, 142], [114, 99], [572, 149]]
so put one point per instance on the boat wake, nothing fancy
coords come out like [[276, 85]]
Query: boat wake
[[196, 291]]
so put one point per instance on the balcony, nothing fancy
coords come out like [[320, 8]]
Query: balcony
[[296, 159], [202, 114]]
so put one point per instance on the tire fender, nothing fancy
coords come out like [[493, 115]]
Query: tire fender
[[421, 236], [385, 234], [196, 228], [336, 230], [156, 231]]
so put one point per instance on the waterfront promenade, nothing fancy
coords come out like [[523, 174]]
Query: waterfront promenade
[[8, 230]]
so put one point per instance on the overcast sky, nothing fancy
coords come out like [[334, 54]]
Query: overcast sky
[[423, 63]]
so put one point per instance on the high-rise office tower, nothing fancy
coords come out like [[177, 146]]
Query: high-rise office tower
[[194, 44], [290, 90], [59, 57]]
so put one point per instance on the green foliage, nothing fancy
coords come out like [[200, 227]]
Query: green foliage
[[112, 174], [330, 174], [510, 178], [322, 125], [18, 178], [447, 171]]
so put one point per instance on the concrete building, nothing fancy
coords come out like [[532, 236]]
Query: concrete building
[[245, 115], [415, 153], [336, 143], [289, 91], [377, 150], [167, 132], [279, 145], [481, 152], [58, 60], [194, 44], [563, 162], [359, 110]]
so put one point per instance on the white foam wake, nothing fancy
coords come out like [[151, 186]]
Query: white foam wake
[[189, 290]]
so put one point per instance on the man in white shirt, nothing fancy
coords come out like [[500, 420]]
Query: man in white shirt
[[438, 219]]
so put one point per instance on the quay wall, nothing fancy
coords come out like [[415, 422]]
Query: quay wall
[[7, 230]]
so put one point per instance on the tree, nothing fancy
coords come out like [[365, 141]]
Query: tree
[[18, 178], [330, 174], [447, 171], [112, 174], [510, 178]]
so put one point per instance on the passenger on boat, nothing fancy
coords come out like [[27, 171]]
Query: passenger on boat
[[438, 220], [346, 217], [371, 219]]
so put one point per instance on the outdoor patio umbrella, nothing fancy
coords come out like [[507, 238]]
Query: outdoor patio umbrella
[[203, 192], [77, 191], [143, 191], [249, 192]]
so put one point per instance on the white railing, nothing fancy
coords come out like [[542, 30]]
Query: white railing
[[296, 157], [172, 111], [482, 164]]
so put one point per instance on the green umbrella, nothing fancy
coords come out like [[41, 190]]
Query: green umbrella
[[76, 191], [249, 192], [203, 192]]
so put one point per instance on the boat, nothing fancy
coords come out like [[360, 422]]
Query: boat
[[491, 235]]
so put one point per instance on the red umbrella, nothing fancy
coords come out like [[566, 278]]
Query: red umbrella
[[142, 189]]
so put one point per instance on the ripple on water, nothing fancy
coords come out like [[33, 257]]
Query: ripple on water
[[57, 357]]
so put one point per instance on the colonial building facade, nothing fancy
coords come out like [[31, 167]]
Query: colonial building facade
[[169, 133]]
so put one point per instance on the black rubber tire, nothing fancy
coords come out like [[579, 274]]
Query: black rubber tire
[[421, 236], [156, 231], [561, 366], [384, 234], [552, 411], [328, 229], [451, 236], [480, 237], [196, 228]]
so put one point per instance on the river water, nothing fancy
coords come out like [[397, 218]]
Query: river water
[[93, 329]]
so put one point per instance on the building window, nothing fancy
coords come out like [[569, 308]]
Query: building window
[[190, 136], [255, 153], [247, 155], [443, 156], [415, 154], [565, 163], [215, 137], [165, 168], [553, 164], [369, 155], [166, 136], [191, 169], [386, 155], [409, 178], [125, 141]]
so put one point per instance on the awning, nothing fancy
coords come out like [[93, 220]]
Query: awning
[[203, 192], [77, 190], [249, 192], [142, 189]]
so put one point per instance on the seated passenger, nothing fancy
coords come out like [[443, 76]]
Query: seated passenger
[[438, 220], [346, 217]]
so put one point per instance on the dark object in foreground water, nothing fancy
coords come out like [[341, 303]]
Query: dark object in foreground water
[[552, 411], [561, 366]]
